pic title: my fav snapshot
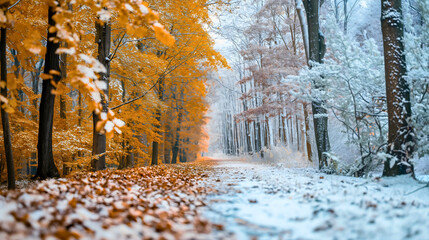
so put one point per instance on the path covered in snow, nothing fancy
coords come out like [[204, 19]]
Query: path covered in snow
[[274, 202]]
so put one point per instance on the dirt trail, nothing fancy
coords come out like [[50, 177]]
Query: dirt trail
[[272, 202]]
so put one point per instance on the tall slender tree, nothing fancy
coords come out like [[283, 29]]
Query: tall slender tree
[[46, 166], [155, 144], [103, 36], [4, 114], [400, 135], [316, 54]]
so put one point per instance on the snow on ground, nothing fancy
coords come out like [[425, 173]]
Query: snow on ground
[[269, 201]]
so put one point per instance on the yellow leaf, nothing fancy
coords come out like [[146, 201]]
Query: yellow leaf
[[12, 102], [45, 76], [9, 109], [100, 126], [54, 72], [3, 18], [52, 29], [163, 35], [11, 82], [3, 99], [109, 135]]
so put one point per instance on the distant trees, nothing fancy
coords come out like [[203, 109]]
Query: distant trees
[[267, 113], [372, 107]]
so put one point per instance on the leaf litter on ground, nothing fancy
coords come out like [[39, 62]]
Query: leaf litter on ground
[[159, 202]]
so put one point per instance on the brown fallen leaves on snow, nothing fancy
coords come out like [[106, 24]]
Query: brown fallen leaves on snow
[[142, 203]]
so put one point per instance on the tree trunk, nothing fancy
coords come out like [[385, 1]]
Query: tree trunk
[[298, 144], [284, 132], [183, 153], [303, 25], [127, 161], [35, 86], [17, 64], [103, 36], [317, 51], [400, 136], [177, 139], [167, 151], [63, 67], [155, 144], [5, 116], [168, 139], [248, 138], [267, 133], [79, 110], [289, 122], [46, 166], [236, 139], [307, 134], [130, 160]]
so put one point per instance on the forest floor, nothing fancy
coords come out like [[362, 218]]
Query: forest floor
[[216, 199], [264, 201]]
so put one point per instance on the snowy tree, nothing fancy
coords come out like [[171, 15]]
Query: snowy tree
[[353, 91], [417, 55], [400, 136]]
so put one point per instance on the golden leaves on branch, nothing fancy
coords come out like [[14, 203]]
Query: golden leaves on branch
[[131, 14], [163, 35]]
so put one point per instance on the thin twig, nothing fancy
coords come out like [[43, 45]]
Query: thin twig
[[117, 46], [137, 98], [13, 5], [418, 189]]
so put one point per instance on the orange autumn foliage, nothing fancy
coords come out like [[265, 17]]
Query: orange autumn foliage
[[146, 46]]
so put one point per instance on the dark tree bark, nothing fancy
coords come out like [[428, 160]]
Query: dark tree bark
[[317, 52], [63, 67], [63, 116], [177, 139], [284, 132], [130, 160], [246, 123], [267, 133], [46, 166], [155, 144], [5, 116], [183, 155], [79, 110], [155, 148], [103, 36], [127, 161], [400, 136], [168, 143], [236, 139]]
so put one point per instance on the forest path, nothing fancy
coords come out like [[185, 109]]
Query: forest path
[[260, 201]]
